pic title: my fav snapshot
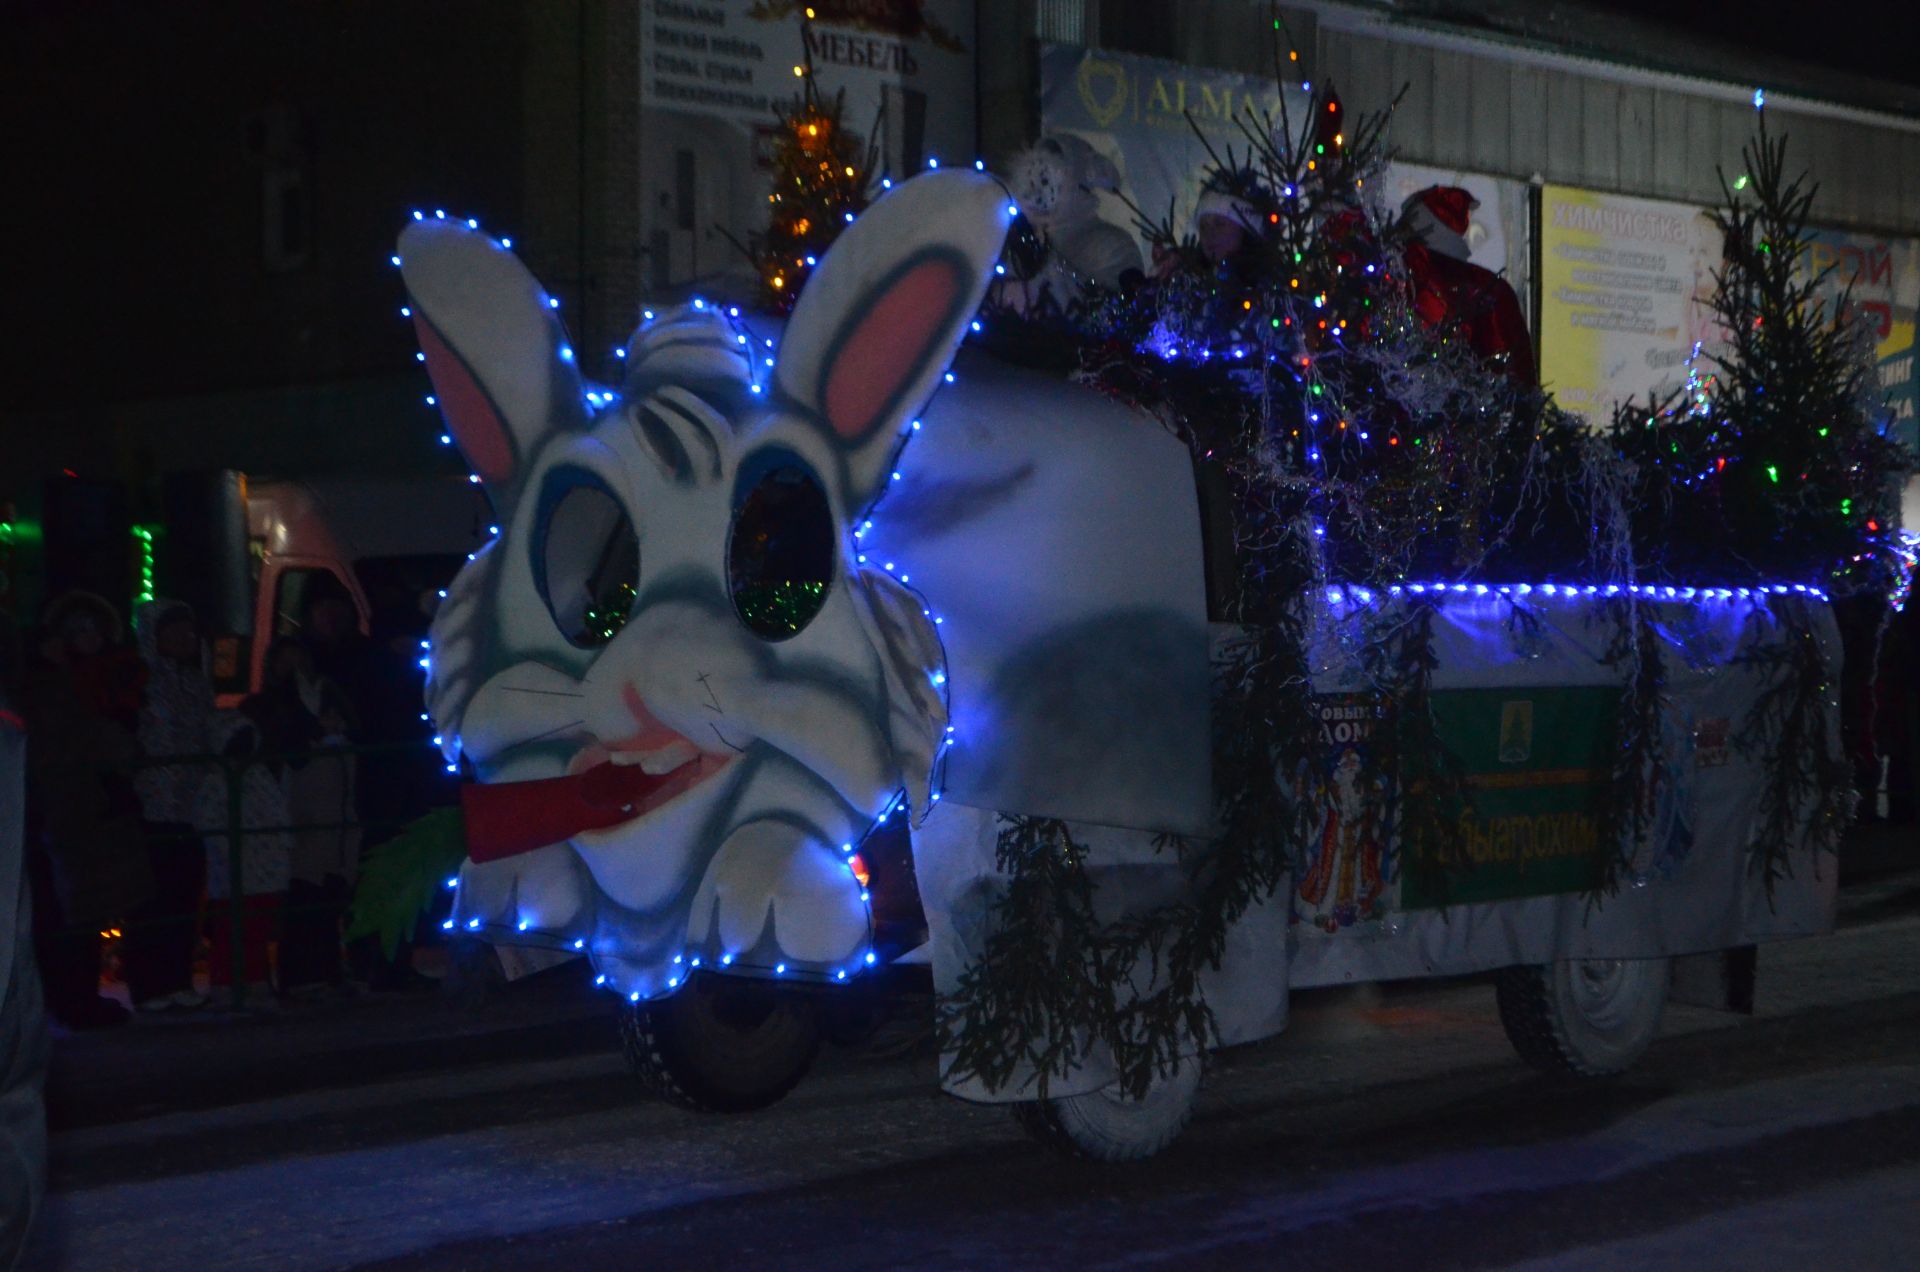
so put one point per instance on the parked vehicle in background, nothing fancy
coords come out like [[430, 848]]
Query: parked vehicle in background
[[389, 545]]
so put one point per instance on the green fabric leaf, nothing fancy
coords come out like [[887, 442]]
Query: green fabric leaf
[[398, 879]]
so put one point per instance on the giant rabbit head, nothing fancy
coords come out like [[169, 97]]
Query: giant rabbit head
[[686, 696]]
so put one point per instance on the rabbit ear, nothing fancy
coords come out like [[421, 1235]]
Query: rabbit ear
[[880, 319], [502, 370]]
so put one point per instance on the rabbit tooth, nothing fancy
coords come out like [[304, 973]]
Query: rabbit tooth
[[667, 759]]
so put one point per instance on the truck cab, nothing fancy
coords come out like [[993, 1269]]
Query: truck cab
[[387, 545]]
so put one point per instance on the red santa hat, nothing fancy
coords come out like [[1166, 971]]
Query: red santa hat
[[1449, 205]]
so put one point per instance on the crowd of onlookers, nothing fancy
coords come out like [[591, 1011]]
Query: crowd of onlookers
[[136, 781]]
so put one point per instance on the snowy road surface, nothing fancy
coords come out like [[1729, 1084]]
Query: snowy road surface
[[1387, 1127]]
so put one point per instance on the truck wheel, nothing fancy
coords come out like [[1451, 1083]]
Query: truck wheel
[[722, 1044], [1586, 1016], [1107, 1126]]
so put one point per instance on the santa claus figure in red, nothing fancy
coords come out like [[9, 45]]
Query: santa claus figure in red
[[1451, 291]]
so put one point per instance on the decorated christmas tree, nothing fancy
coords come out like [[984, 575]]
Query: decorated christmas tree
[[821, 176], [1775, 462]]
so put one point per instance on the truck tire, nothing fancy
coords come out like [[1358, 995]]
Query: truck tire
[[1107, 1126], [723, 1044], [1589, 1017]]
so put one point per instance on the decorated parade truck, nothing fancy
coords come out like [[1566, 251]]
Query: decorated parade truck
[[793, 593]]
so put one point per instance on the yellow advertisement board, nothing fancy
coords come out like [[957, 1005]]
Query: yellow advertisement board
[[1622, 289]]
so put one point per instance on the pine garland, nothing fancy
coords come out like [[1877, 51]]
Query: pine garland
[[1808, 797]]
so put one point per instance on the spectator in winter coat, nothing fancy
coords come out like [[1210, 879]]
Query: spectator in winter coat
[[23, 1025], [176, 719], [266, 853], [81, 701], [304, 719]]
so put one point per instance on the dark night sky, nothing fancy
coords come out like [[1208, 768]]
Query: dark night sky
[[1880, 38]]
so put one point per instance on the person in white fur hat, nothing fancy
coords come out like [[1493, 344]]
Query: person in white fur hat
[[1055, 184]]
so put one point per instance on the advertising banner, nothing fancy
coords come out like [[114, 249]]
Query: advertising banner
[[735, 60], [1142, 113], [1884, 277], [1623, 286], [1538, 764]]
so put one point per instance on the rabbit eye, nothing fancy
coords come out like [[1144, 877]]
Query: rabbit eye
[[587, 562], [780, 553]]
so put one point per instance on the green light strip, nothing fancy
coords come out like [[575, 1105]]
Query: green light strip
[[143, 544]]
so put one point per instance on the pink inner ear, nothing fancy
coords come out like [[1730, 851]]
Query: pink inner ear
[[887, 348], [476, 425]]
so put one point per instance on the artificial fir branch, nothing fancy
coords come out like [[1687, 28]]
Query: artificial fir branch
[[1039, 993], [1635, 652], [1807, 798]]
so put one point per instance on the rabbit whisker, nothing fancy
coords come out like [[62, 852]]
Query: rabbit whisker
[[544, 693], [571, 724]]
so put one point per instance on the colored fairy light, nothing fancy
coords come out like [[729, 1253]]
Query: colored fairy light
[[1759, 98]]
